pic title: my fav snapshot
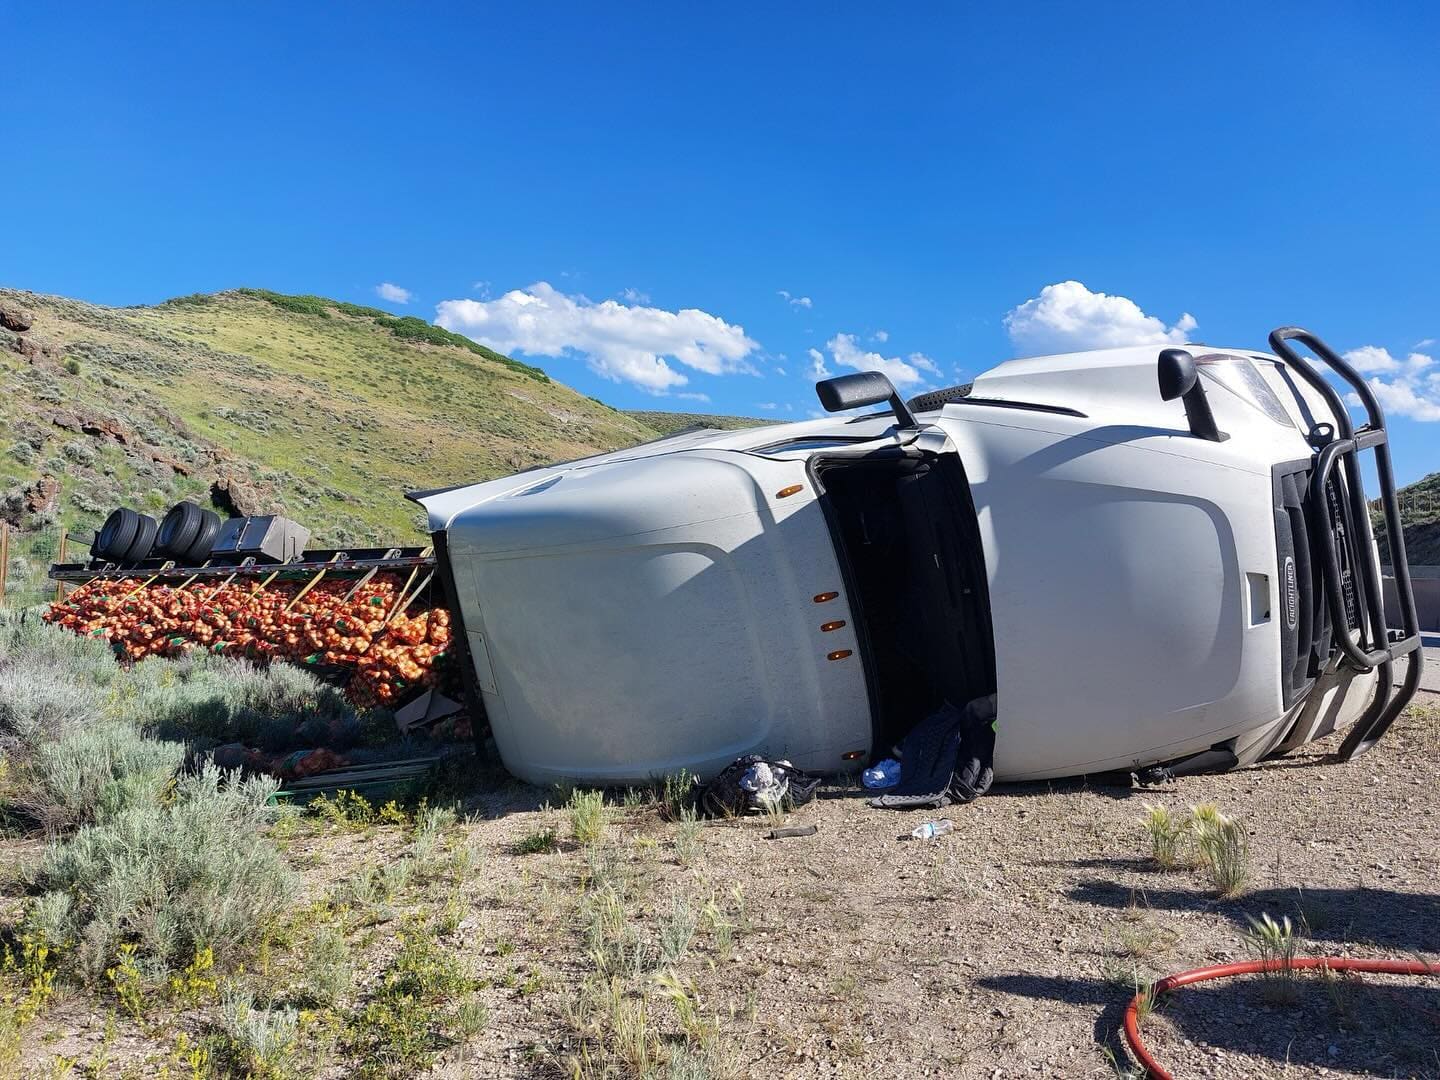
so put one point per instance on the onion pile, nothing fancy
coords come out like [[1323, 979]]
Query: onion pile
[[245, 619]]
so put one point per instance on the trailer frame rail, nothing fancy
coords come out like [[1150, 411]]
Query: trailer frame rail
[[330, 560]]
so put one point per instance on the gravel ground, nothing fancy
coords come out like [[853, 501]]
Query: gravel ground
[[1007, 948], [1010, 947]]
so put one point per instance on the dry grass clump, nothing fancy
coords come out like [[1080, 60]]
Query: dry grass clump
[[1204, 837], [1225, 848], [688, 836], [1275, 944], [677, 793], [677, 930], [587, 815], [536, 842], [329, 968], [638, 1013], [1165, 832]]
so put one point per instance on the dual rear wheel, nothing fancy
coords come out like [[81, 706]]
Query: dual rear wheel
[[185, 534]]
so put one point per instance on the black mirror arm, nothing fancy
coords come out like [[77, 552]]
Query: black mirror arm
[[1200, 416], [1180, 378], [902, 411]]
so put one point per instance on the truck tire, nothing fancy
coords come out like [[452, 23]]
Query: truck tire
[[187, 533], [205, 537], [178, 530], [116, 535], [140, 547]]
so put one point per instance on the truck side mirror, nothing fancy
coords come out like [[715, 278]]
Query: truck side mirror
[[1178, 374], [863, 388], [1179, 377]]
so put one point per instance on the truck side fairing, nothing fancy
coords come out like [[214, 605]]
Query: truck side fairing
[[632, 615]]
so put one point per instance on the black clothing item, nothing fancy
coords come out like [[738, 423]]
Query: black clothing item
[[947, 757]]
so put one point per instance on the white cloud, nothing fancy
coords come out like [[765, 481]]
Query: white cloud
[[394, 293], [1408, 399], [817, 369], [690, 396], [768, 406], [1370, 360], [1424, 344], [483, 288], [903, 373], [1411, 387], [923, 363], [634, 296], [881, 336], [1067, 317], [621, 343], [796, 301]]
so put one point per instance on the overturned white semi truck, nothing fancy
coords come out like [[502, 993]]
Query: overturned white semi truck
[[1149, 558]]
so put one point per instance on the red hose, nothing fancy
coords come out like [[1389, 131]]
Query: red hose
[[1153, 1068]]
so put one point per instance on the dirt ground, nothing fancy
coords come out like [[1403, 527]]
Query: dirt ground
[[1007, 948]]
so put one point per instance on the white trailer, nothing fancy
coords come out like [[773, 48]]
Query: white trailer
[[1150, 559]]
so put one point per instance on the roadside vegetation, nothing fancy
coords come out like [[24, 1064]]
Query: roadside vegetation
[[160, 917], [174, 897]]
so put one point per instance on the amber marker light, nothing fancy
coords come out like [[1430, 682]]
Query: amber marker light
[[838, 654], [821, 598], [786, 492], [852, 755], [827, 627]]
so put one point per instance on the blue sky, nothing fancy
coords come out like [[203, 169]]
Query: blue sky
[[665, 200]]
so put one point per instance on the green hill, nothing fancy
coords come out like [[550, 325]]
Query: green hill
[[667, 422], [1420, 516], [318, 409]]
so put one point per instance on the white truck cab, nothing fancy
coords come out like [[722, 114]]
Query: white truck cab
[[1149, 559]]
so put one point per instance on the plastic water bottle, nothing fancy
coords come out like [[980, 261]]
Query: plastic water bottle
[[931, 829]]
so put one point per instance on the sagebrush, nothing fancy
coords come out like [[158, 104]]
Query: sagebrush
[[174, 878]]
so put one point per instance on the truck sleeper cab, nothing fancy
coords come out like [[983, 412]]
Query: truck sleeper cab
[[1148, 559]]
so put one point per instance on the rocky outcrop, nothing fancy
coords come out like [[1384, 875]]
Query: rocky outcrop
[[41, 496], [35, 349], [18, 321], [231, 493], [103, 427], [14, 317], [159, 457], [98, 426]]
